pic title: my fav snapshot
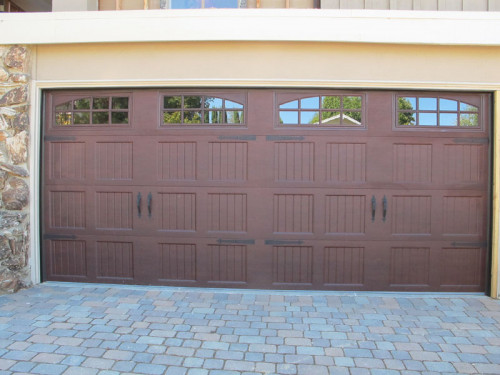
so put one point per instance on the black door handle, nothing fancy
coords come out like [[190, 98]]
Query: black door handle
[[139, 199], [150, 200]]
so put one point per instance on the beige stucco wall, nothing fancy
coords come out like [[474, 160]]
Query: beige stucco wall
[[272, 63]]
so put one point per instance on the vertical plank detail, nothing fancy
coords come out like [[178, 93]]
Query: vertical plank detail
[[345, 214], [228, 263], [346, 162], [67, 161], [410, 265], [412, 163], [411, 215], [344, 265], [67, 209], [115, 259], [293, 213], [292, 264], [228, 161], [178, 211], [227, 212], [114, 210], [68, 258], [114, 160], [461, 267], [462, 215], [294, 161], [176, 161], [463, 164], [178, 261]]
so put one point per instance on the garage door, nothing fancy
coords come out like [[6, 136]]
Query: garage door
[[340, 190]]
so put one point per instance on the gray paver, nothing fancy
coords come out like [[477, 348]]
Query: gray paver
[[67, 329]]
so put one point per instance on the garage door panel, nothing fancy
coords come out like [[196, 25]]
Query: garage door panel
[[362, 201]]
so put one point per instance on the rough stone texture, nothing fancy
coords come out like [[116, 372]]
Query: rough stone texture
[[17, 147], [14, 183]]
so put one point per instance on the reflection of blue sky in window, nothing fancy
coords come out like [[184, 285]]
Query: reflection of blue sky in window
[[448, 119], [289, 117], [233, 105], [290, 105], [429, 119], [307, 117], [427, 104], [448, 105], [310, 103]]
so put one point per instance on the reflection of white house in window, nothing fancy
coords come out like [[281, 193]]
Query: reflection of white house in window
[[336, 120]]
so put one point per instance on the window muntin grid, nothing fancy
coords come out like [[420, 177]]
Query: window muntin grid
[[93, 111], [429, 112], [325, 111], [201, 110]]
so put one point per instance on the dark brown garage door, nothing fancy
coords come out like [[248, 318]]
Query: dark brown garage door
[[342, 190]]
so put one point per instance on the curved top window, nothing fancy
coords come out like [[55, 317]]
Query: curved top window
[[432, 112], [201, 110], [93, 111], [332, 111]]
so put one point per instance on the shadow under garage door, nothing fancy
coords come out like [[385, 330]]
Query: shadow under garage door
[[341, 190]]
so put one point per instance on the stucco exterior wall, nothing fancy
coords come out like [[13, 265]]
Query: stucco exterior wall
[[272, 63], [14, 183]]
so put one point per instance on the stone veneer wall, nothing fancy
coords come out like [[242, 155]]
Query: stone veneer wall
[[14, 175]]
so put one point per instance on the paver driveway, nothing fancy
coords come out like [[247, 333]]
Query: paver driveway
[[58, 328]]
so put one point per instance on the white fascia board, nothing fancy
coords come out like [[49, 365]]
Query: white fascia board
[[294, 25]]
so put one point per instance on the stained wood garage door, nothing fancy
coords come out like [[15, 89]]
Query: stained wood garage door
[[341, 190]]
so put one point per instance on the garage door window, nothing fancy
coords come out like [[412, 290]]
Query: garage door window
[[322, 111], [96, 110], [201, 110], [428, 112]]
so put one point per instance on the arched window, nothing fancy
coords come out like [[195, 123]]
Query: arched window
[[329, 111], [434, 111]]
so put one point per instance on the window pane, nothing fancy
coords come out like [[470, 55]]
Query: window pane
[[407, 118], [427, 119], [100, 117], [192, 102], [310, 103], [221, 4], [63, 118], [119, 117], [469, 119], [352, 102], [330, 118], [63, 107], [213, 103], [172, 102], [427, 104], [234, 117], [468, 108], [214, 117], [448, 119], [407, 103], [290, 105], [81, 118], [330, 102], [172, 117], [100, 103], [82, 103], [448, 105], [192, 117], [351, 118], [119, 103], [289, 117], [231, 105], [185, 4], [307, 117]]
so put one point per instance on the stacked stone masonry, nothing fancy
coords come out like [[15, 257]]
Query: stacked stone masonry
[[14, 185]]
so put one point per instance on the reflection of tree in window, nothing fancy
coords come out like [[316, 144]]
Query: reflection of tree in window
[[406, 118]]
